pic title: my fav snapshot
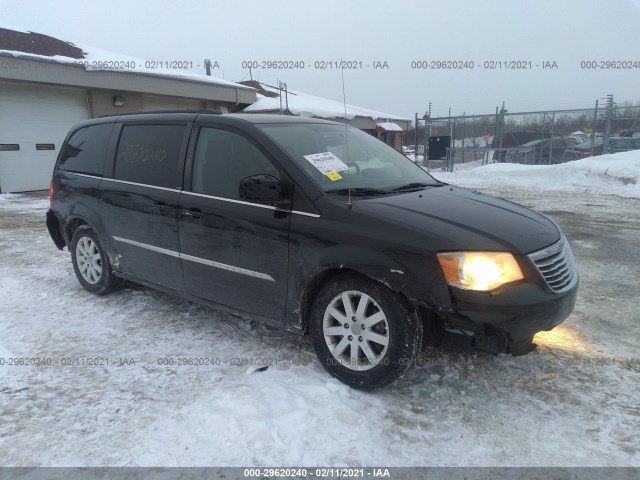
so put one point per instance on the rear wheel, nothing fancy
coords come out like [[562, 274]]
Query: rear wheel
[[91, 263], [363, 333]]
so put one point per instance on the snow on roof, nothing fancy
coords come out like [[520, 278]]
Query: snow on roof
[[617, 174], [21, 43], [578, 132], [389, 127], [311, 106]]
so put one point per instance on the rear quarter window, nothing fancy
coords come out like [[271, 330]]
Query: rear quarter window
[[150, 154], [85, 150]]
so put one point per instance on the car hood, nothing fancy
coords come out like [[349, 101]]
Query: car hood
[[453, 218]]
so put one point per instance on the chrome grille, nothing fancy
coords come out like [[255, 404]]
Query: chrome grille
[[557, 266]]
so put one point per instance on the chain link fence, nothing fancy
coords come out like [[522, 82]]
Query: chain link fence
[[534, 138]]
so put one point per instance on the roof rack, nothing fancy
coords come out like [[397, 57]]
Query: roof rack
[[151, 112]]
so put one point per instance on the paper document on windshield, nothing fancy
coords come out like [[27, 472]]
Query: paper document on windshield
[[328, 164]]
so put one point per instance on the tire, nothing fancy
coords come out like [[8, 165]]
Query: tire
[[375, 342], [91, 263]]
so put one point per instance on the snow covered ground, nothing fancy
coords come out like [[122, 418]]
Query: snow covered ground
[[106, 401], [616, 174]]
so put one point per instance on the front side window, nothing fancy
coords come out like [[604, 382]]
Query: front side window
[[85, 150], [338, 158], [150, 154], [223, 159]]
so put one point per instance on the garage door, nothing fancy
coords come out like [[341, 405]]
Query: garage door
[[33, 123]]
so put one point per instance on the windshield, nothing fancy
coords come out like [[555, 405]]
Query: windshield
[[364, 164]]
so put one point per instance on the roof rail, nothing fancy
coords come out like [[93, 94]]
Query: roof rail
[[151, 112]]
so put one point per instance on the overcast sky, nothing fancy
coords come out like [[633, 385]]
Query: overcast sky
[[370, 31]]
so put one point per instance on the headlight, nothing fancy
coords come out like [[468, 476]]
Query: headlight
[[482, 271]]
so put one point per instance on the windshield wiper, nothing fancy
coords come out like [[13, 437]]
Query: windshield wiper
[[410, 186], [357, 191]]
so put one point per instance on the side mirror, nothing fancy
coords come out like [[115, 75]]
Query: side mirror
[[261, 189]]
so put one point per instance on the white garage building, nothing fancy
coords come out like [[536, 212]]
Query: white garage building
[[47, 85]]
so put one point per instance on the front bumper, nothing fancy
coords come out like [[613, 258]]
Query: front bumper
[[506, 322], [506, 319]]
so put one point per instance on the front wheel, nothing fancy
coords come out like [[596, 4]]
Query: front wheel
[[91, 263], [363, 333]]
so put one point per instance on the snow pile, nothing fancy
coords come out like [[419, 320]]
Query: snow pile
[[607, 174], [311, 106], [460, 167], [473, 142]]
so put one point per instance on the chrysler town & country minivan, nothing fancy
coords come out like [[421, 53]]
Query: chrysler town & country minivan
[[309, 225]]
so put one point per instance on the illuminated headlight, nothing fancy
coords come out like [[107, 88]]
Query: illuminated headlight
[[482, 271]]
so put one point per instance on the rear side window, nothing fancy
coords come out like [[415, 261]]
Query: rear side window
[[85, 151], [149, 154]]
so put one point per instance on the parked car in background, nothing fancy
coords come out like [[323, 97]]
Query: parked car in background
[[573, 142], [411, 149], [632, 132], [616, 145], [511, 139], [542, 152]]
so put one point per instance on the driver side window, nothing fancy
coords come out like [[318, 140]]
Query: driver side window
[[222, 159]]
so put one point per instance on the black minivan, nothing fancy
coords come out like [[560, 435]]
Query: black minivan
[[309, 225]]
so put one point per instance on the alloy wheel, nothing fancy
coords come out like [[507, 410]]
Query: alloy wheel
[[89, 260], [356, 330]]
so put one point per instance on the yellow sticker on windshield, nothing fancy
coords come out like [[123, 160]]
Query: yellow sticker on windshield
[[334, 176]]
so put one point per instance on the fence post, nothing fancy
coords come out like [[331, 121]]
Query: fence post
[[594, 127], [551, 129], [501, 125], [426, 159], [607, 129], [415, 138], [473, 136], [464, 135], [426, 143], [452, 158]]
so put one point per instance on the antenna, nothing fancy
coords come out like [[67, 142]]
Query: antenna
[[346, 132]]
